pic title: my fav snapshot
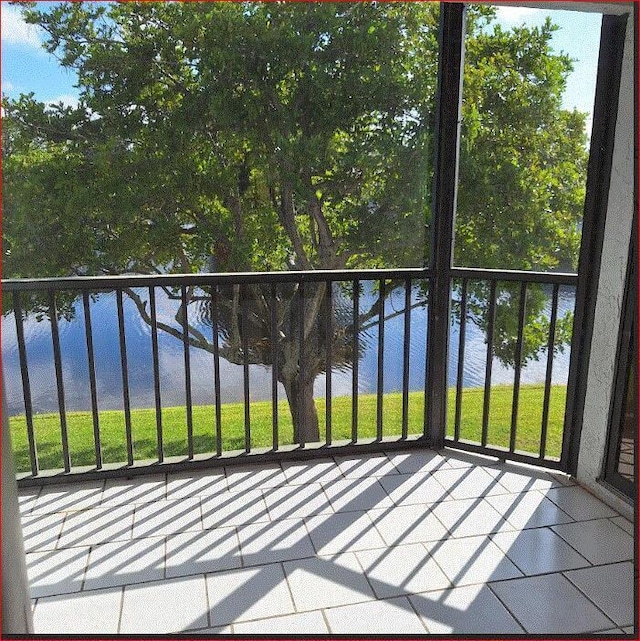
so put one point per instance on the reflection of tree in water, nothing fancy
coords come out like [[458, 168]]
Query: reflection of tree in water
[[304, 324]]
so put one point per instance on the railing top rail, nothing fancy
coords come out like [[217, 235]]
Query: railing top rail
[[521, 276], [94, 283], [204, 279]]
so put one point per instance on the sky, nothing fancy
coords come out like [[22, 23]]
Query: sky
[[26, 67]]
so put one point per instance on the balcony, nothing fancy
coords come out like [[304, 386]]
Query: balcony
[[441, 516], [407, 542]]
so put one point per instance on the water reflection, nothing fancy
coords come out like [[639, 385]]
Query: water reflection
[[138, 337]]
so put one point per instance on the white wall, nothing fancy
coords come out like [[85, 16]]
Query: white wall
[[610, 291], [17, 617]]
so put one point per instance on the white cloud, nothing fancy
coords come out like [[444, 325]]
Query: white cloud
[[67, 99], [511, 16], [15, 30], [7, 86]]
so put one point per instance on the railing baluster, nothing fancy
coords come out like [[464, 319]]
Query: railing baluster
[[405, 358], [518, 366], [187, 369], [380, 384], [356, 354], [301, 366], [274, 365], [26, 385], [125, 377], [427, 377], [489, 363], [216, 367], [549, 372], [156, 373], [329, 348], [92, 379], [57, 361], [461, 348], [245, 366]]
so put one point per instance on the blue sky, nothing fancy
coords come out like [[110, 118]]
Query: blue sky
[[26, 67]]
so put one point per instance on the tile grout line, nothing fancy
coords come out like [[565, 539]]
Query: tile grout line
[[286, 580], [207, 602], [593, 564], [504, 605], [325, 618], [119, 626], [422, 621], [86, 569], [433, 558], [586, 596]]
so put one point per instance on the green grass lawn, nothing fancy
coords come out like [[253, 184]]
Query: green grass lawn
[[112, 429]]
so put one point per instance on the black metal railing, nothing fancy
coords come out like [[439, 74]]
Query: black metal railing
[[323, 308], [521, 283]]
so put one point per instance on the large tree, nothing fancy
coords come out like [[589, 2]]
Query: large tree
[[276, 136]]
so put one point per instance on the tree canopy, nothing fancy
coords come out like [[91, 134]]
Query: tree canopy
[[286, 136]]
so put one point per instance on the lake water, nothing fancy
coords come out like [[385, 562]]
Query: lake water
[[107, 359]]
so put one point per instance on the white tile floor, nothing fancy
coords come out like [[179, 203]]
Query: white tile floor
[[410, 543]]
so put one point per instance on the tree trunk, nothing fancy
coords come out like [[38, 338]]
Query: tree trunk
[[303, 409]]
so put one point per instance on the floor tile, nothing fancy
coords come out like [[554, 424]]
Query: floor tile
[[408, 524], [472, 560], [538, 551], [393, 616], [296, 501], [123, 562], [95, 612], [327, 581], [357, 467], [517, 479], [41, 531], [469, 517], [189, 484], [349, 495], [402, 569], [244, 478], [468, 483], [316, 471], [628, 630], [417, 461], [625, 524], [343, 532], [528, 510], [414, 488], [550, 605], [27, 498], [167, 517], [127, 491], [99, 525], [464, 610], [267, 562], [68, 496], [578, 503], [303, 623], [457, 459], [56, 571], [600, 541], [166, 606], [262, 543], [200, 552], [233, 508], [250, 593], [610, 587]]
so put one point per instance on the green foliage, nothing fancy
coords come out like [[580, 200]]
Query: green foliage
[[275, 136]]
